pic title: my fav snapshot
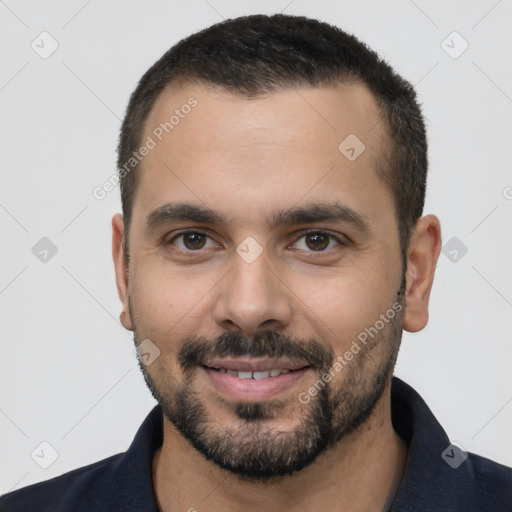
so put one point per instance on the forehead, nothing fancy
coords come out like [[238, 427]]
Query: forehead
[[223, 149], [318, 116]]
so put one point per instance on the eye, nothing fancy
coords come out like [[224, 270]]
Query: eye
[[317, 241], [191, 241], [312, 241]]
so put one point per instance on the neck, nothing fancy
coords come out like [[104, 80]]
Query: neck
[[373, 457]]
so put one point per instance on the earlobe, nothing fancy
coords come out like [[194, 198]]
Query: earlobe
[[121, 269], [423, 253]]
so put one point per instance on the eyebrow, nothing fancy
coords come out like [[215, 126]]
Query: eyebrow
[[317, 212]]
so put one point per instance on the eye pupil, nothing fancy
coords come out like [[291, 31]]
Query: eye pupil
[[319, 241], [194, 240]]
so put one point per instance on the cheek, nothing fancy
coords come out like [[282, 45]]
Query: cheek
[[169, 302], [344, 305]]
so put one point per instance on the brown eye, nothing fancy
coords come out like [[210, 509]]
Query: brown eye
[[317, 241], [191, 241], [194, 241]]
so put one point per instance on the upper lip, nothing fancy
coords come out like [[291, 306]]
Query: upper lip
[[255, 365]]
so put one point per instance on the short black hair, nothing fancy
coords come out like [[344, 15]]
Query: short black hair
[[260, 54]]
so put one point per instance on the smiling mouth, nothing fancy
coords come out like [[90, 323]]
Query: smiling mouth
[[254, 379], [261, 374]]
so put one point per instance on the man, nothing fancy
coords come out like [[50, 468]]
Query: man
[[270, 253]]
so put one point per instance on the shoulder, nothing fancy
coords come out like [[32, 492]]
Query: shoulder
[[76, 490], [118, 483], [433, 479], [492, 483]]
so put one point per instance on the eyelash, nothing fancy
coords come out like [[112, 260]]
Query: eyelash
[[303, 234]]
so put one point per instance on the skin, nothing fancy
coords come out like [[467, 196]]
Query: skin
[[246, 158]]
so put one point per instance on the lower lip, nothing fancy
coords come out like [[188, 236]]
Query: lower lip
[[253, 390]]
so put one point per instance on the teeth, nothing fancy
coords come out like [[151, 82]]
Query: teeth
[[260, 375], [255, 375]]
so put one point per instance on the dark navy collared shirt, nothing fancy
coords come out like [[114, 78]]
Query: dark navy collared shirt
[[438, 477]]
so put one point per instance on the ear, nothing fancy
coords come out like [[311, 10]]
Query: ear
[[121, 268], [422, 254]]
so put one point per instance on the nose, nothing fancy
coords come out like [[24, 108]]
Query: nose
[[252, 298]]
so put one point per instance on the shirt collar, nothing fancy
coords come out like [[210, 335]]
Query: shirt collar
[[134, 472], [429, 483]]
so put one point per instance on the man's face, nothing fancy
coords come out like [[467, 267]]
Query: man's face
[[267, 283]]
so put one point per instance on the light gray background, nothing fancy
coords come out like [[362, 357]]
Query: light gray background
[[68, 372]]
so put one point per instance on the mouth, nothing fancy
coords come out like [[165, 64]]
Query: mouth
[[254, 380]]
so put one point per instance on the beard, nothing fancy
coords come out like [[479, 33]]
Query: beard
[[253, 447]]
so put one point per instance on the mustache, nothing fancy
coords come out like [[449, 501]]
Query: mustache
[[197, 350]]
